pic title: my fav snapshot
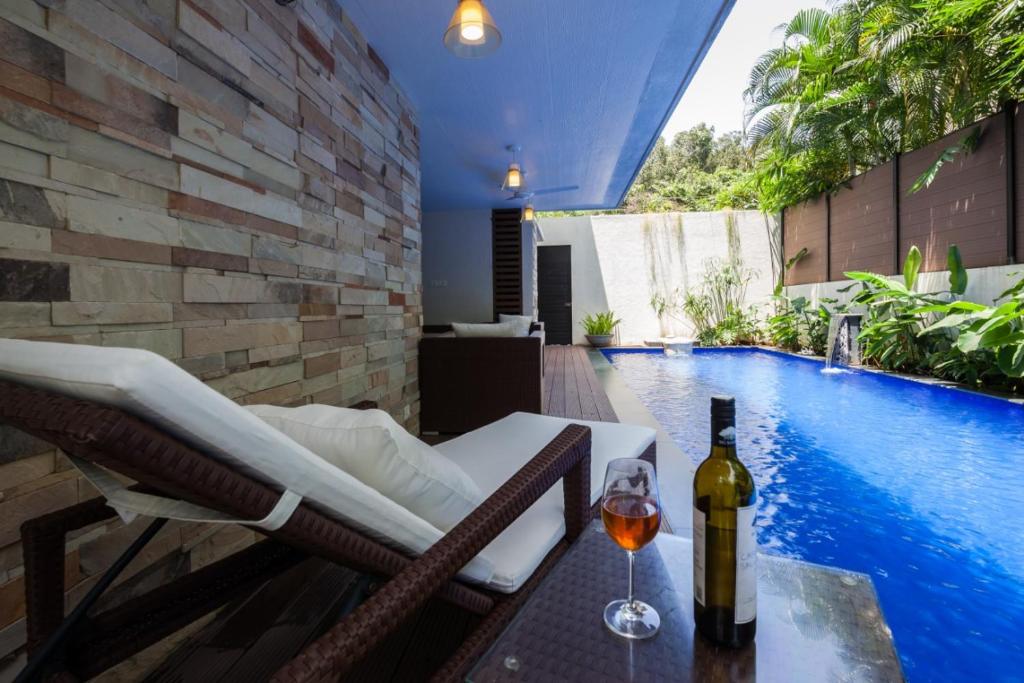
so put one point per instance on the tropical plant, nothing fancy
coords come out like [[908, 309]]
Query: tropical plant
[[897, 332], [852, 86], [986, 332], [600, 324], [715, 308], [798, 325], [816, 324], [696, 306], [784, 326], [740, 326], [725, 286], [795, 259]]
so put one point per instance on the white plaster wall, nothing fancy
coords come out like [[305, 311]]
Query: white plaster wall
[[620, 261], [983, 285], [530, 239], [457, 267]]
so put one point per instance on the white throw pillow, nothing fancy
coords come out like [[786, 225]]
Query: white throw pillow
[[484, 329], [372, 447], [522, 323]]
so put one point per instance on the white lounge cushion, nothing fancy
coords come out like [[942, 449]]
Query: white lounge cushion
[[484, 329], [522, 323], [156, 390], [492, 454], [376, 450]]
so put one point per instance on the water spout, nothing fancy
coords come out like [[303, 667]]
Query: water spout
[[842, 348]]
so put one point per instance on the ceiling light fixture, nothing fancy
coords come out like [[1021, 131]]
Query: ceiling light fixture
[[472, 32], [528, 213], [514, 175]]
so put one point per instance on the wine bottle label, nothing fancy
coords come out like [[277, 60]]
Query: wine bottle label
[[699, 548], [725, 436], [746, 565]]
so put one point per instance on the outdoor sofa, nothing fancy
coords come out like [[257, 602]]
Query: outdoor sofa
[[469, 382], [197, 455]]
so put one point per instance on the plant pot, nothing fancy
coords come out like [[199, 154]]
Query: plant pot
[[599, 340]]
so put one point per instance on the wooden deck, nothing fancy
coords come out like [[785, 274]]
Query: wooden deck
[[571, 388]]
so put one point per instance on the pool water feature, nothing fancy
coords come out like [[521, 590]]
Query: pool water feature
[[918, 485]]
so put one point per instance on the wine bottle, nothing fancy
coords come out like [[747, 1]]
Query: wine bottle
[[724, 539]]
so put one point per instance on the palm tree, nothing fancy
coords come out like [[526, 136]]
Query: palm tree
[[852, 86]]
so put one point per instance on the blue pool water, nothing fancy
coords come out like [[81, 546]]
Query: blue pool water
[[921, 487]]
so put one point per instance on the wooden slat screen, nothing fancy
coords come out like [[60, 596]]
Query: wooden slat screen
[[871, 221], [806, 225], [965, 205], [863, 225], [508, 261]]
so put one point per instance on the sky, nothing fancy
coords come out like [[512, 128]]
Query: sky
[[715, 94]]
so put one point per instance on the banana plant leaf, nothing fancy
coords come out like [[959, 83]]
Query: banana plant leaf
[[957, 272], [911, 266]]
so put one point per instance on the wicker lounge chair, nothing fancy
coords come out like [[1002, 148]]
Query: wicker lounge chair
[[181, 466]]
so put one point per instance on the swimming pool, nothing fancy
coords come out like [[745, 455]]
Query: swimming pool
[[920, 486]]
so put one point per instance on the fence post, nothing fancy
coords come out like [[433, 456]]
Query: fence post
[[896, 213], [782, 245], [828, 236], [1011, 181]]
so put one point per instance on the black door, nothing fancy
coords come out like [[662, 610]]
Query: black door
[[554, 293]]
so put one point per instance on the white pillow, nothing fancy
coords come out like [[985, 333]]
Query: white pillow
[[484, 329], [373, 448], [522, 323]]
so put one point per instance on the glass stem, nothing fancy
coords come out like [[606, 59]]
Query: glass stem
[[630, 602]]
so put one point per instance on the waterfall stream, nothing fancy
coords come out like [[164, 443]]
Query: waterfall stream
[[841, 348]]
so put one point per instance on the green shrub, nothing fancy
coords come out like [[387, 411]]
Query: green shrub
[[715, 308], [600, 324], [994, 334], [797, 325]]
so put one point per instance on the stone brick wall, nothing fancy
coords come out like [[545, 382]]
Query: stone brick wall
[[229, 183]]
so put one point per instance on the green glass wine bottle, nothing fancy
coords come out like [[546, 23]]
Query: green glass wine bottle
[[724, 538]]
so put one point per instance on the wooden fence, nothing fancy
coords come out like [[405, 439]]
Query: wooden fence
[[871, 222]]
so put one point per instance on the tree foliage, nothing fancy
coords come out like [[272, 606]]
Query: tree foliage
[[852, 86], [697, 171]]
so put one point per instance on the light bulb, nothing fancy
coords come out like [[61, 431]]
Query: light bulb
[[471, 23]]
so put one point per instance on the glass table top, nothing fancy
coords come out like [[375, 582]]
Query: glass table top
[[814, 623]]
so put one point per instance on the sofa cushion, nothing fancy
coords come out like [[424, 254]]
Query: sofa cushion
[[376, 450], [484, 329], [522, 323], [159, 392], [492, 454]]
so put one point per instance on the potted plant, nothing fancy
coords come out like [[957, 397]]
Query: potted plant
[[599, 328]]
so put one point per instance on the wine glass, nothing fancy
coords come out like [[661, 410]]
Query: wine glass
[[632, 514]]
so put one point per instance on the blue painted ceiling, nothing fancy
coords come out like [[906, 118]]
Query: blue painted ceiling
[[584, 86]]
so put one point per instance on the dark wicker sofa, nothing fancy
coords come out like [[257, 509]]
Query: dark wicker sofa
[[466, 383]]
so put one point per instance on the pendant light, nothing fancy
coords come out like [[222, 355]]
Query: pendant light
[[528, 213], [514, 174], [513, 177], [471, 32]]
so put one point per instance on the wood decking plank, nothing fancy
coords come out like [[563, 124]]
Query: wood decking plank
[[556, 404], [573, 409], [572, 389], [588, 402]]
